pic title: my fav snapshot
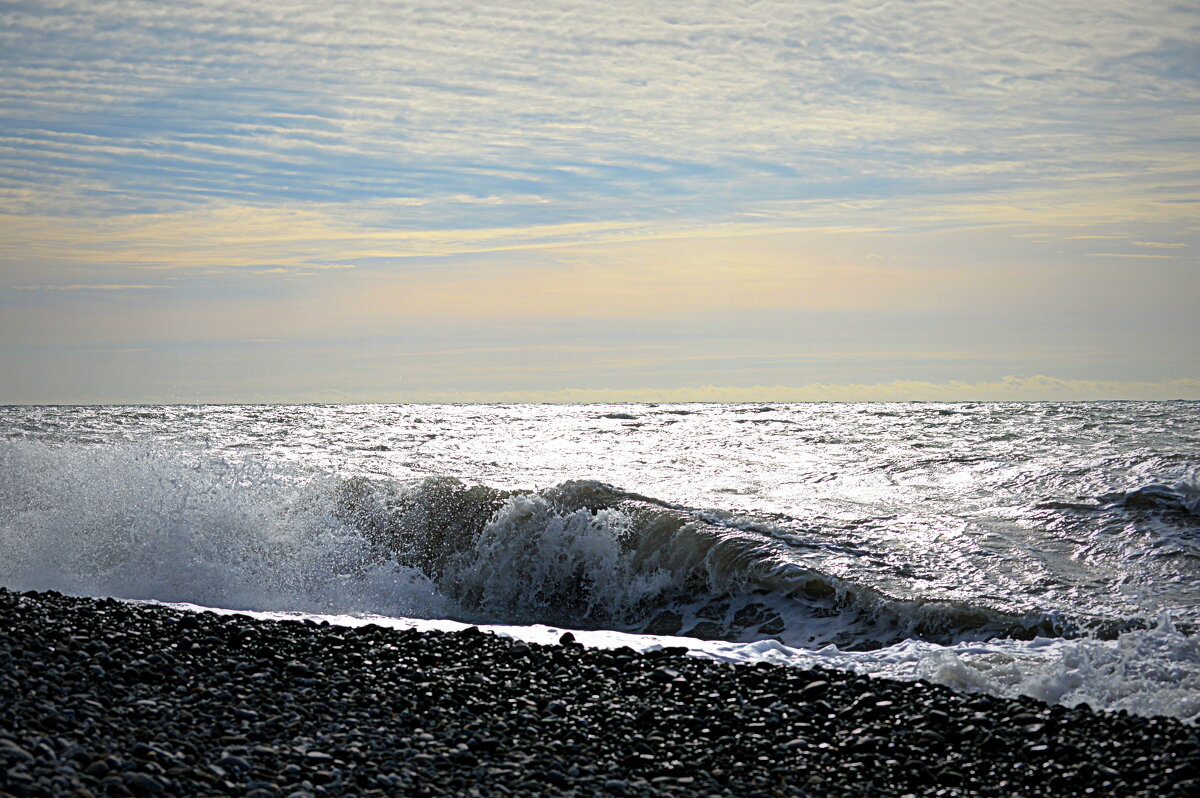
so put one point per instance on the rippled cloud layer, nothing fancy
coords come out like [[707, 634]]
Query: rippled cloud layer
[[460, 172]]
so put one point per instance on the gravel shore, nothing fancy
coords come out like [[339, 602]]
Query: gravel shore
[[101, 697]]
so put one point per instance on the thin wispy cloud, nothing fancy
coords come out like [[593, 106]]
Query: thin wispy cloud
[[1145, 255], [520, 176], [576, 108], [90, 287], [1013, 389]]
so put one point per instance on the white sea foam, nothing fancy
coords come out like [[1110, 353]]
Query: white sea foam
[[1145, 672]]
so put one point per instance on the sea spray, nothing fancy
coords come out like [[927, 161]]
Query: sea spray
[[144, 522]]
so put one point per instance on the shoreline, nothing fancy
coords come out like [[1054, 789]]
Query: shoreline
[[103, 697]]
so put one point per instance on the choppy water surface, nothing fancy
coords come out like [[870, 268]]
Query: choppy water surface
[[1052, 549]]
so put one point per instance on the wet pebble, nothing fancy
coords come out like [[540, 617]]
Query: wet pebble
[[195, 703]]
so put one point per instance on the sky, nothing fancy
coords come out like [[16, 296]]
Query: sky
[[322, 201]]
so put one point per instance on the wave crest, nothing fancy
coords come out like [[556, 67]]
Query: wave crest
[[589, 555], [141, 523], [1181, 497]]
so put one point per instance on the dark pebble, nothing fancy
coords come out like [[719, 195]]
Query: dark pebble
[[142, 784], [234, 763], [109, 698]]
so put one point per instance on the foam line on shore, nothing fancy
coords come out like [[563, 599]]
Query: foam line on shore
[[1109, 675]]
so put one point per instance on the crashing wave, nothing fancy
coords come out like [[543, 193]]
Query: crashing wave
[[136, 522], [587, 554]]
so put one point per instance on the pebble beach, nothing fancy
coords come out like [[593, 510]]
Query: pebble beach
[[105, 697]]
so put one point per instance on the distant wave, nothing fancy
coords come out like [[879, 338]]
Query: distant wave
[[1180, 497]]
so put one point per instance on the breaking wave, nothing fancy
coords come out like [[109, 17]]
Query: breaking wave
[[586, 554], [175, 526]]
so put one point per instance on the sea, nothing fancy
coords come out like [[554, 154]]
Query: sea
[[1041, 549]]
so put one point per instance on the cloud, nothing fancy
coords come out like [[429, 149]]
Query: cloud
[[1008, 389], [122, 351], [1129, 255], [91, 287], [435, 121], [529, 168], [557, 112]]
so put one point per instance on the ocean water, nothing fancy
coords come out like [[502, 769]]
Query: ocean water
[[1047, 549]]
